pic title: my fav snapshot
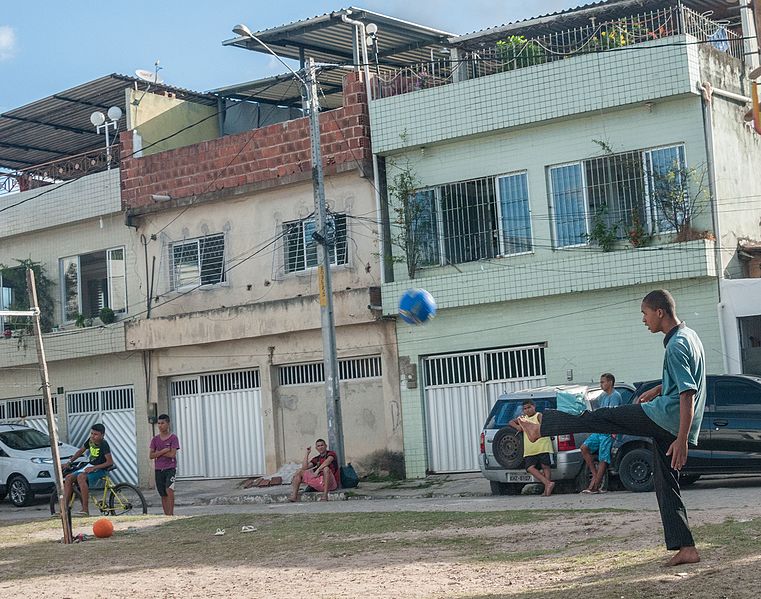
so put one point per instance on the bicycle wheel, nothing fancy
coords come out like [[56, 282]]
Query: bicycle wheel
[[55, 507], [126, 499]]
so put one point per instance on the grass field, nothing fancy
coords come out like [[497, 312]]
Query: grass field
[[392, 554]]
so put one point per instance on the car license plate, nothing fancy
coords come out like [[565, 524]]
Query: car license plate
[[516, 477]]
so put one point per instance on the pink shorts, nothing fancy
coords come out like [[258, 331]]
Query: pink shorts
[[315, 481]]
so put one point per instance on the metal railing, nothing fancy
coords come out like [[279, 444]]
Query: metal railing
[[517, 52], [57, 171]]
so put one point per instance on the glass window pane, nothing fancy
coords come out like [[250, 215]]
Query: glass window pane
[[310, 244], [70, 287], [117, 280], [516, 216], [668, 187], [294, 247], [469, 220], [738, 394], [185, 264], [424, 227], [568, 204]]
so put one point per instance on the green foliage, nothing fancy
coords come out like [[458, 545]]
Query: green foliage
[[408, 216], [15, 278], [517, 52], [602, 232], [637, 234], [107, 315]]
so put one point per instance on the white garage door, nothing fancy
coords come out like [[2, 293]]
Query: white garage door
[[29, 411], [460, 390], [114, 407], [218, 420]]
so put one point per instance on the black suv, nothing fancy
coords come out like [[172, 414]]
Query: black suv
[[729, 442]]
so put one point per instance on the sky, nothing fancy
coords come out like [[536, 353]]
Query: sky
[[49, 46]]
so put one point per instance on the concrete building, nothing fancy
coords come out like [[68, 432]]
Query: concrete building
[[561, 168]]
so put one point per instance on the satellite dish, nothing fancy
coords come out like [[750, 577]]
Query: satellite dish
[[148, 76]]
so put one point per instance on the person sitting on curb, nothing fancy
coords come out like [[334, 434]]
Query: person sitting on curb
[[319, 474], [536, 453], [600, 443]]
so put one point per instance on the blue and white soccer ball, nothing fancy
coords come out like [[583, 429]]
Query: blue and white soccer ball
[[417, 306]]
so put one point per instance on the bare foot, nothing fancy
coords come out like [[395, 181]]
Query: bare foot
[[292, 499], [548, 488], [686, 555], [322, 499], [531, 429]]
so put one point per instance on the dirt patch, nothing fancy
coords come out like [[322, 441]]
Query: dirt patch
[[385, 555]]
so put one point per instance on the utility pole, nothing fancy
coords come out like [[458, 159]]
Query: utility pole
[[324, 245], [52, 427]]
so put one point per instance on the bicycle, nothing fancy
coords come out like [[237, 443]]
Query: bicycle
[[117, 500]]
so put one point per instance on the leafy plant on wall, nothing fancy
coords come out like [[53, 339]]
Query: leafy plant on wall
[[517, 52], [14, 278], [414, 226]]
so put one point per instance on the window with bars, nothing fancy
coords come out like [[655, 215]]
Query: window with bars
[[196, 262], [473, 220], [301, 247], [618, 188], [314, 372]]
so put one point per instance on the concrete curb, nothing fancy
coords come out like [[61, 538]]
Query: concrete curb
[[269, 498]]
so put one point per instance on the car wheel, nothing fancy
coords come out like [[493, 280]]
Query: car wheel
[[498, 488], [19, 491], [685, 480], [636, 470], [507, 447]]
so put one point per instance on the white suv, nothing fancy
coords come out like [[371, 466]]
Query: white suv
[[26, 465]]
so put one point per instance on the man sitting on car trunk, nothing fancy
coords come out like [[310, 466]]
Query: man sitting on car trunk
[[670, 414], [537, 452]]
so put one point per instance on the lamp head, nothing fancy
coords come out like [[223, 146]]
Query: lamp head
[[371, 29], [114, 113], [97, 118], [241, 30]]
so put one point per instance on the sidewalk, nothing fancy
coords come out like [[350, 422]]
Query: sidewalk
[[229, 491]]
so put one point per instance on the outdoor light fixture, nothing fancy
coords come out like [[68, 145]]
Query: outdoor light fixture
[[98, 119]]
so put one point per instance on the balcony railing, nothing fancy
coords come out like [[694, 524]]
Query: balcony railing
[[517, 52], [71, 167]]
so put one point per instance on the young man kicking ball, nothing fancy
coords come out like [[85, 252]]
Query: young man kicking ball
[[670, 414]]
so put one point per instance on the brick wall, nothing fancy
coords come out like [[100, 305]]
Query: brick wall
[[258, 159]]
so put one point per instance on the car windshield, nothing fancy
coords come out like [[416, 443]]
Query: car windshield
[[505, 410], [25, 439]]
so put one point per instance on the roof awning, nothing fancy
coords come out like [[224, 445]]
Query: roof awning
[[327, 39], [285, 90], [59, 126]]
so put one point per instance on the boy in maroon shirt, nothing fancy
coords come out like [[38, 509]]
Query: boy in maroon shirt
[[163, 449]]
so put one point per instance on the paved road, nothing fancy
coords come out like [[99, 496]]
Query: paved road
[[738, 495]]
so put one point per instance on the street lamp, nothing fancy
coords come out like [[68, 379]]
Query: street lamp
[[323, 239], [98, 119]]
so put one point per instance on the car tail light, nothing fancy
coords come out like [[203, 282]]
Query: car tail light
[[566, 442], [483, 442]]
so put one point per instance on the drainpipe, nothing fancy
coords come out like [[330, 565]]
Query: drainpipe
[[707, 95], [360, 30]]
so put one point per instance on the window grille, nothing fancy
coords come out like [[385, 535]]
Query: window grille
[[469, 220], [301, 248], [95, 401], [25, 407], [422, 224], [183, 387], [197, 262], [230, 381], [482, 367], [643, 186], [314, 372]]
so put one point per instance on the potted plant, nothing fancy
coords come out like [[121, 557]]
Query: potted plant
[[107, 315]]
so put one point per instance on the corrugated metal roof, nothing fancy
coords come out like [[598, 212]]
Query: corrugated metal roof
[[327, 39], [285, 90], [59, 126], [580, 15]]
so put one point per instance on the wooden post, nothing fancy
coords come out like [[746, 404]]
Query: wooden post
[[52, 426]]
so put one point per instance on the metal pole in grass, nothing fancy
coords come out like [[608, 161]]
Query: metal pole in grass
[[52, 426]]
